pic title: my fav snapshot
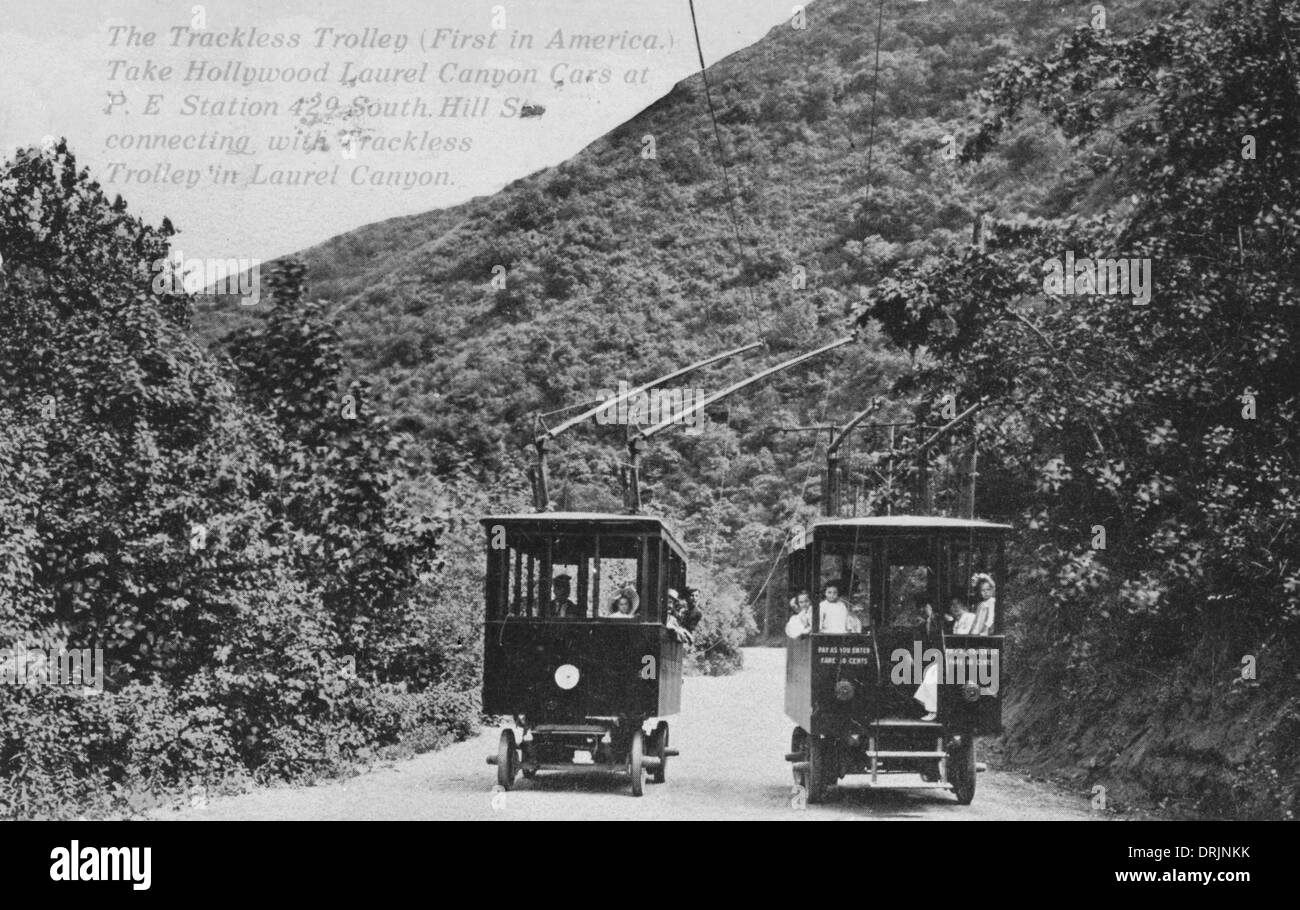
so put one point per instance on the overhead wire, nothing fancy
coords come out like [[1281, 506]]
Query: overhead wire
[[722, 160]]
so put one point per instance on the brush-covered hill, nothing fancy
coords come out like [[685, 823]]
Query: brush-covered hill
[[620, 265]]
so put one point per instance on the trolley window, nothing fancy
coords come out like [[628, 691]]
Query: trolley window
[[910, 579], [573, 576], [847, 565]]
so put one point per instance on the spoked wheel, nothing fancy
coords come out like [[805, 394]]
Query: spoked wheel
[[635, 765], [507, 760], [961, 771], [660, 740]]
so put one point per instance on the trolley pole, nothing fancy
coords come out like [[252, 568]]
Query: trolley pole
[[831, 499], [699, 407], [538, 475]]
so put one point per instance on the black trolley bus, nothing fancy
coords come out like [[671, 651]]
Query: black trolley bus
[[580, 679], [853, 694]]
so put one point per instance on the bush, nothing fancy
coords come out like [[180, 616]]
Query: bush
[[727, 624], [227, 532]]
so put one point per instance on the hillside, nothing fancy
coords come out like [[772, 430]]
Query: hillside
[[622, 266]]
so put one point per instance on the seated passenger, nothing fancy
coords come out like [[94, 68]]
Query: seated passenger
[[800, 624], [982, 588], [963, 620], [621, 608], [689, 613], [920, 618], [561, 603], [677, 617], [835, 615]]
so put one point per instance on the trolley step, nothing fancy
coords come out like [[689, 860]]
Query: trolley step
[[895, 723], [877, 785], [879, 754], [571, 729], [649, 762]]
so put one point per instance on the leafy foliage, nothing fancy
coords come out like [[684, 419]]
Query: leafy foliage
[[1168, 427], [233, 545]]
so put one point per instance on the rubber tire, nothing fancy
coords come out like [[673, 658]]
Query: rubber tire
[[961, 772], [636, 752], [507, 760], [799, 746], [525, 754], [820, 755], [660, 740]]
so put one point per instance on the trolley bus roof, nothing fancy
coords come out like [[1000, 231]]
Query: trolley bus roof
[[911, 523], [591, 522]]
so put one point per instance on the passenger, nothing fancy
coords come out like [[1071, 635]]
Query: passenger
[[853, 622], [561, 603], [927, 693], [621, 608], [629, 591], [963, 620], [800, 624], [691, 614], [982, 588], [677, 618], [835, 615], [920, 618], [923, 621]]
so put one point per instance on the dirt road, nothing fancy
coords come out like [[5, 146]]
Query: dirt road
[[732, 735]]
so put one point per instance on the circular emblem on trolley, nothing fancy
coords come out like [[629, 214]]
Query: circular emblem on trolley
[[566, 676], [970, 692], [844, 690]]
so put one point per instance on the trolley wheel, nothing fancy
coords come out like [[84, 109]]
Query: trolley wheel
[[821, 753], [507, 760], [660, 740], [961, 771], [634, 763], [818, 752], [526, 755], [799, 746]]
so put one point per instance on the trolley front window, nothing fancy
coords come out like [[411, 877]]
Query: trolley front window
[[579, 576]]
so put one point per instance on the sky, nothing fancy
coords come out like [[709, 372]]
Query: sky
[[264, 128]]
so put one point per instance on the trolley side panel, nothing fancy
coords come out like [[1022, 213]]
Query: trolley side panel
[[671, 655]]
